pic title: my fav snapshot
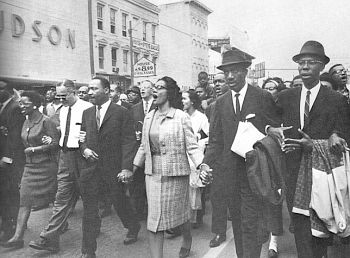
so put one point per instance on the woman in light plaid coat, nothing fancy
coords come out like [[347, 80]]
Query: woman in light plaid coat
[[167, 140]]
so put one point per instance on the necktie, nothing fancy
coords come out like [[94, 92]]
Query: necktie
[[238, 107], [98, 117], [146, 107], [307, 109], [66, 132]]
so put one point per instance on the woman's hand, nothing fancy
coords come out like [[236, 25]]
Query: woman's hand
[[46, 139]]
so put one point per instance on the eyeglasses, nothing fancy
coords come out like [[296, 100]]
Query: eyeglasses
[[219, 81], [60, 97], [82, 92], [308, 62], [271, 88], [339, 71]]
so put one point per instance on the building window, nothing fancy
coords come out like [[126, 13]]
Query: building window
[[125, 60], [124, 17], [101, 56], [154, 34], [136, 57], [113, 12], [144, 37], [100, 16], [114, 56], [135, 22]]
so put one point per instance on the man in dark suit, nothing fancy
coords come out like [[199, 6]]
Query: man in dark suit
[[109, 149], [11, 158], [139, 110], [114, 95], [321, 114], [230, 109]]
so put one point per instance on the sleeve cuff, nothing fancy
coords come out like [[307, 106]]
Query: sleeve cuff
[[6, 160]]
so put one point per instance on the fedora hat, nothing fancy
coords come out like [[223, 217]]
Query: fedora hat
[[313, 48], [235, 57], [134, 89]]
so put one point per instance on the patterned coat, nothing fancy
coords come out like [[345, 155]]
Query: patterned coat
[[176, 140]]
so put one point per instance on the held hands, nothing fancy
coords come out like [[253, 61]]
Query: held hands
[[125, 176], [305, 143], [90, 155], [205, 174]]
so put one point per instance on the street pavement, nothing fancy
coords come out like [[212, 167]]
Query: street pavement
[[110, 241]]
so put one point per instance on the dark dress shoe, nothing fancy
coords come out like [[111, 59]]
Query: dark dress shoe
[[272, 254], [185, 252], [45, 244], [131, 237], [88, 256], [13, 244], [217, 240]]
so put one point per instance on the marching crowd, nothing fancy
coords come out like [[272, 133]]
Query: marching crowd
[[158, 152]]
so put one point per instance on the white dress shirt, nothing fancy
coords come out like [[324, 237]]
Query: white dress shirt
[[103, 111], [241, 97], [314, 91], [149, 103], [75, 122]]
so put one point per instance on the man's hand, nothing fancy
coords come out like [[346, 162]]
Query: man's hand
[[90, 155], [304, 143], [28, 150], [125, 176], [278, 132], [205, 174], [336, 144]]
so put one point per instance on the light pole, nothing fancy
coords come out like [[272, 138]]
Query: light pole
[[131, 57]]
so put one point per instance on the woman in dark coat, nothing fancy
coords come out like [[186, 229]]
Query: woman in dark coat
[[38, 185]]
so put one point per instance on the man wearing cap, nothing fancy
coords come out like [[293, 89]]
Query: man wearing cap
[[134, 95], [230, 109], [321, 114]]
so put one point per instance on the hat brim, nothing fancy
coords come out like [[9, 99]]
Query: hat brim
[[324, 58], [244, 64]]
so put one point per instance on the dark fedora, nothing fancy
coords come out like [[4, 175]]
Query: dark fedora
[[313, 48], [235, 57]]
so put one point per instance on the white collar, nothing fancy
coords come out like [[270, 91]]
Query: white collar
[[314, 91]]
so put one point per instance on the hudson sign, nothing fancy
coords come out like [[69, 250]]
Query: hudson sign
[[54, 33]]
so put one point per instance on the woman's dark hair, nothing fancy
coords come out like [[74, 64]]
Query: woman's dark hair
[[173, 91], [33, 96], [277, 81], [328, 78], [194, 98]]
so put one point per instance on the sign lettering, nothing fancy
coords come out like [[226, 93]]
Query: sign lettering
[[144, 67]]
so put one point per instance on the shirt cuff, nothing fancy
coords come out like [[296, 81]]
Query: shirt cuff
[[267, 128], [6, 160]]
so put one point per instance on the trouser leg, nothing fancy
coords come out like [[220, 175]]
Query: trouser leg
[[66, 196]]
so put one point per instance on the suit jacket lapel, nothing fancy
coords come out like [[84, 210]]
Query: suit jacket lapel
[[107, 115], [317, 106], [229, 103], [295, 105], [248, 99]]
